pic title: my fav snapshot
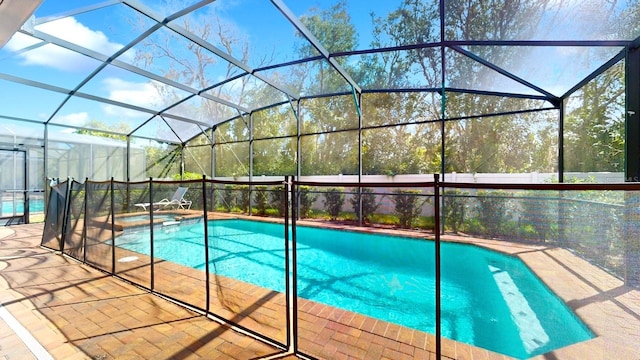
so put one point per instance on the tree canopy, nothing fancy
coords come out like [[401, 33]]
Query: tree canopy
[[410, 126]]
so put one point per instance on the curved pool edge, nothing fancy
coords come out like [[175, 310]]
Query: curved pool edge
[[599, 299]]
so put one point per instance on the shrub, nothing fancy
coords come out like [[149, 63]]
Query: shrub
[[242, 197], [454, 208], [369, 204], [261, 199], [407, 206], [307, 198], [494, 211], [333, 201], [187, 176], [539, 212], [278, 196], [212, 198], [227, 198]]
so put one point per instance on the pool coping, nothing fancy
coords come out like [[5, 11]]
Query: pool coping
[[608, 307], [180, 214]]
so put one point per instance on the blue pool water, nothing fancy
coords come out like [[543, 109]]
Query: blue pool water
[[488, 299], [8, 207]]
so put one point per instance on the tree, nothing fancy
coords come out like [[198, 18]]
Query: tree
[[334, 30], [407, 206], [594, 132], [477, 144], [118, 131], [367, 198], [197, 155], [334, 153], [275, 145], [405, 148], [333, 201], [193, 68], [329, 150]]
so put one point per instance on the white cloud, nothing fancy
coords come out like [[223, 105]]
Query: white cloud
[[73, 119], [68, 29], [134, 93], [71, 30], [19, 41]]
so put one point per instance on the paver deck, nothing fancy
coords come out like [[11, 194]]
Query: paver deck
[[78, 312]]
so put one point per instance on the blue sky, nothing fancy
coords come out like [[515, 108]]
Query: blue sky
[[106, 30]]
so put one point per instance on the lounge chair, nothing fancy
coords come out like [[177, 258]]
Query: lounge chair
[[177, 199]]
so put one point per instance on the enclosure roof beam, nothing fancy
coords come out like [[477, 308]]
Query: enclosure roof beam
[[74, 12], [634, 44], [601, 69], [77, 48], [112, 60], [135, 4], [96, 98], [314, 42], [504, 72], [136, 70]]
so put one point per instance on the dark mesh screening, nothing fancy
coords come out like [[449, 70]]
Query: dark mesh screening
[[268, 201], [178, 243], [73, 237], [247, 258], [55, 217], [261, 199], [365, 259], [590, 223], [351, 281], [372, 205], [230, 198], [98, 216], [132, 225], [582, 243], [631, 240]]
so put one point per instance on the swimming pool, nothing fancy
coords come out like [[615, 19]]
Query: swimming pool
[[8, 207], [488, 299]]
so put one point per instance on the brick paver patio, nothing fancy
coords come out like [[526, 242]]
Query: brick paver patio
[[78, 312]]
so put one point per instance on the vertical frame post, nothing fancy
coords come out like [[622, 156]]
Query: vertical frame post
[[294, 269], [632, 165], [84, 222], [251, 144], [287, 282], [436, 202], [127, 165], [357, 98], [151, 252], [113, 226], [298, 140], [67, 205], [213, 152], [25, 199], [182, 150], [45, 168], [205, 218], [632, 116], [561, 141]]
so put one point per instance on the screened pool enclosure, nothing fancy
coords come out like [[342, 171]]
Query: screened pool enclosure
[[338, 113]]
